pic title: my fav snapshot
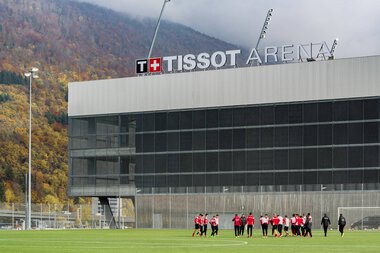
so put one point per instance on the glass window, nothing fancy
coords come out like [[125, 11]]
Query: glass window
[[173, 141], [239, 179], [148, 122], [340, 110], [211, 161], [355, 133], [173, 163], [371, 156], [148, 181], [324, 158], [225, 161], [148, 142], [199, 162], [325, 177], [310, 112], [186, 180], [295, 178], [173, 120], [266, 159], [186, 162], [281, 178], [340, 157], [295, 136], [324, 134], [186, 120], [161, 122], [186, 140], [225, 179], [371, 109], [281, 159], [310, 135], [310, 177], [325, 111], [253, 160], [253, 116], [199, 180], [239, 116], [355, 109], [266, 115], [161, 142], [266, 178], [225, 139], [212, 139], [295, 159], [340, 133], [125, 165], [199, 119], [281, 114], [310, 158], [161, 162], [371, 132], [199, 140], [160, 181], [355, 157], [173, 181], [148, 163], [212, 180], [253, 138], [139, 164], [253, 179], [371, 176], [225, 117], [238, 138], [266, 137], [106, 125], [295, 113], [238, 159], [340, 177], [281, 137], [139, 122], [355, 176], [212, 118]]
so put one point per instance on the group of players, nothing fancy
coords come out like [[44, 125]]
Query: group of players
[[299, 225]]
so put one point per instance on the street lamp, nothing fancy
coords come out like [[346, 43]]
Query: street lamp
[[32, 74]]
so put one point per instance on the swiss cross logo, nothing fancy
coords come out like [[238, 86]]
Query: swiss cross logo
[[152, 65]]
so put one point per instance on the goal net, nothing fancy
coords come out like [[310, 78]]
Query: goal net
[[361, 218]]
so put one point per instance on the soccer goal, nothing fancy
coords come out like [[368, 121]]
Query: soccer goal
[[361, 218]]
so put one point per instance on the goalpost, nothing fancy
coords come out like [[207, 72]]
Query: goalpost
[[361, 218]]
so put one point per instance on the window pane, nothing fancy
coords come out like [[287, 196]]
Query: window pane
[[282, 178], [161, 121], [173, 120], [199, 162], [355, 133], [355, 157], [310, 112], [173, 141], [186, 120], [212, 118], [371, 156], [160, 181], [225, 118], [225, 139], [281, 137], [253, 179], [239, 179], [199, 140], [212, 140], [281, 159], [253, 116], [186, 162], [161, 142], [325, 111], [253, 138], [371, 132], [266, 115], [173, 163], [148, 163], [186, 180], [340, 133], [239, 116], [161, 163], [253, 160], [225, 179], [238, 138], [295, 136], [199, 119], [371, 176], [295, 159], [324, 134], [266, 178], [310, 177], [266, 137], [324, 158], [310, 158], [340, 111], [340, 157], [186, 141], [310, 135], [356, 109], [238, 161], [371, 109], [199, 180], [225, 161], [211, 161], [325, 177], [295, 178], [295, 113], [139, 122], [148, 142], [266, 159], [148, 122], [281, 114]]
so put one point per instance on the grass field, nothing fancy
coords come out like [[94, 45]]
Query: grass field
[[141, 240]]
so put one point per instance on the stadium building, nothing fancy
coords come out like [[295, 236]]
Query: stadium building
[[299, 137]]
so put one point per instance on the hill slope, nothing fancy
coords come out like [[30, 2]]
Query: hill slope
[[67, 41]]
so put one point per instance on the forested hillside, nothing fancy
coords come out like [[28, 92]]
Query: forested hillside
[[67, 41]]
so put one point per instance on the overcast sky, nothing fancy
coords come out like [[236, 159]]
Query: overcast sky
[[355, 22]]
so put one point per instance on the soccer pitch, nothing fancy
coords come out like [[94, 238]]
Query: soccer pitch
[[146, 240]]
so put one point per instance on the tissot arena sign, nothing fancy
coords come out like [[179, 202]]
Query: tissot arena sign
[[188, 62]]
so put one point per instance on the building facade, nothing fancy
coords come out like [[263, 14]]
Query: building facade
[[282, 128]]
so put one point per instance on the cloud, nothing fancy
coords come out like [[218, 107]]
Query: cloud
[[293, 22]]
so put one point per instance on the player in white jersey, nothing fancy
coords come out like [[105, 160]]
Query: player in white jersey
[[280, 224], [286, 225]]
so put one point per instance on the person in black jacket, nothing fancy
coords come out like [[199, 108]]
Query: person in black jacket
[[341, 223], [243, 222], [325, 223]]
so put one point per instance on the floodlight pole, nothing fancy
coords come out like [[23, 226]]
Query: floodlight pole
[[264, 29], [32, 75], [156, 30]]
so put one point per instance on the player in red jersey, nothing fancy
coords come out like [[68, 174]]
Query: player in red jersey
[[237, 224], [275, 222], [299, 223], [250, 222], [196, 224], [213, 225], [205, 222]]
